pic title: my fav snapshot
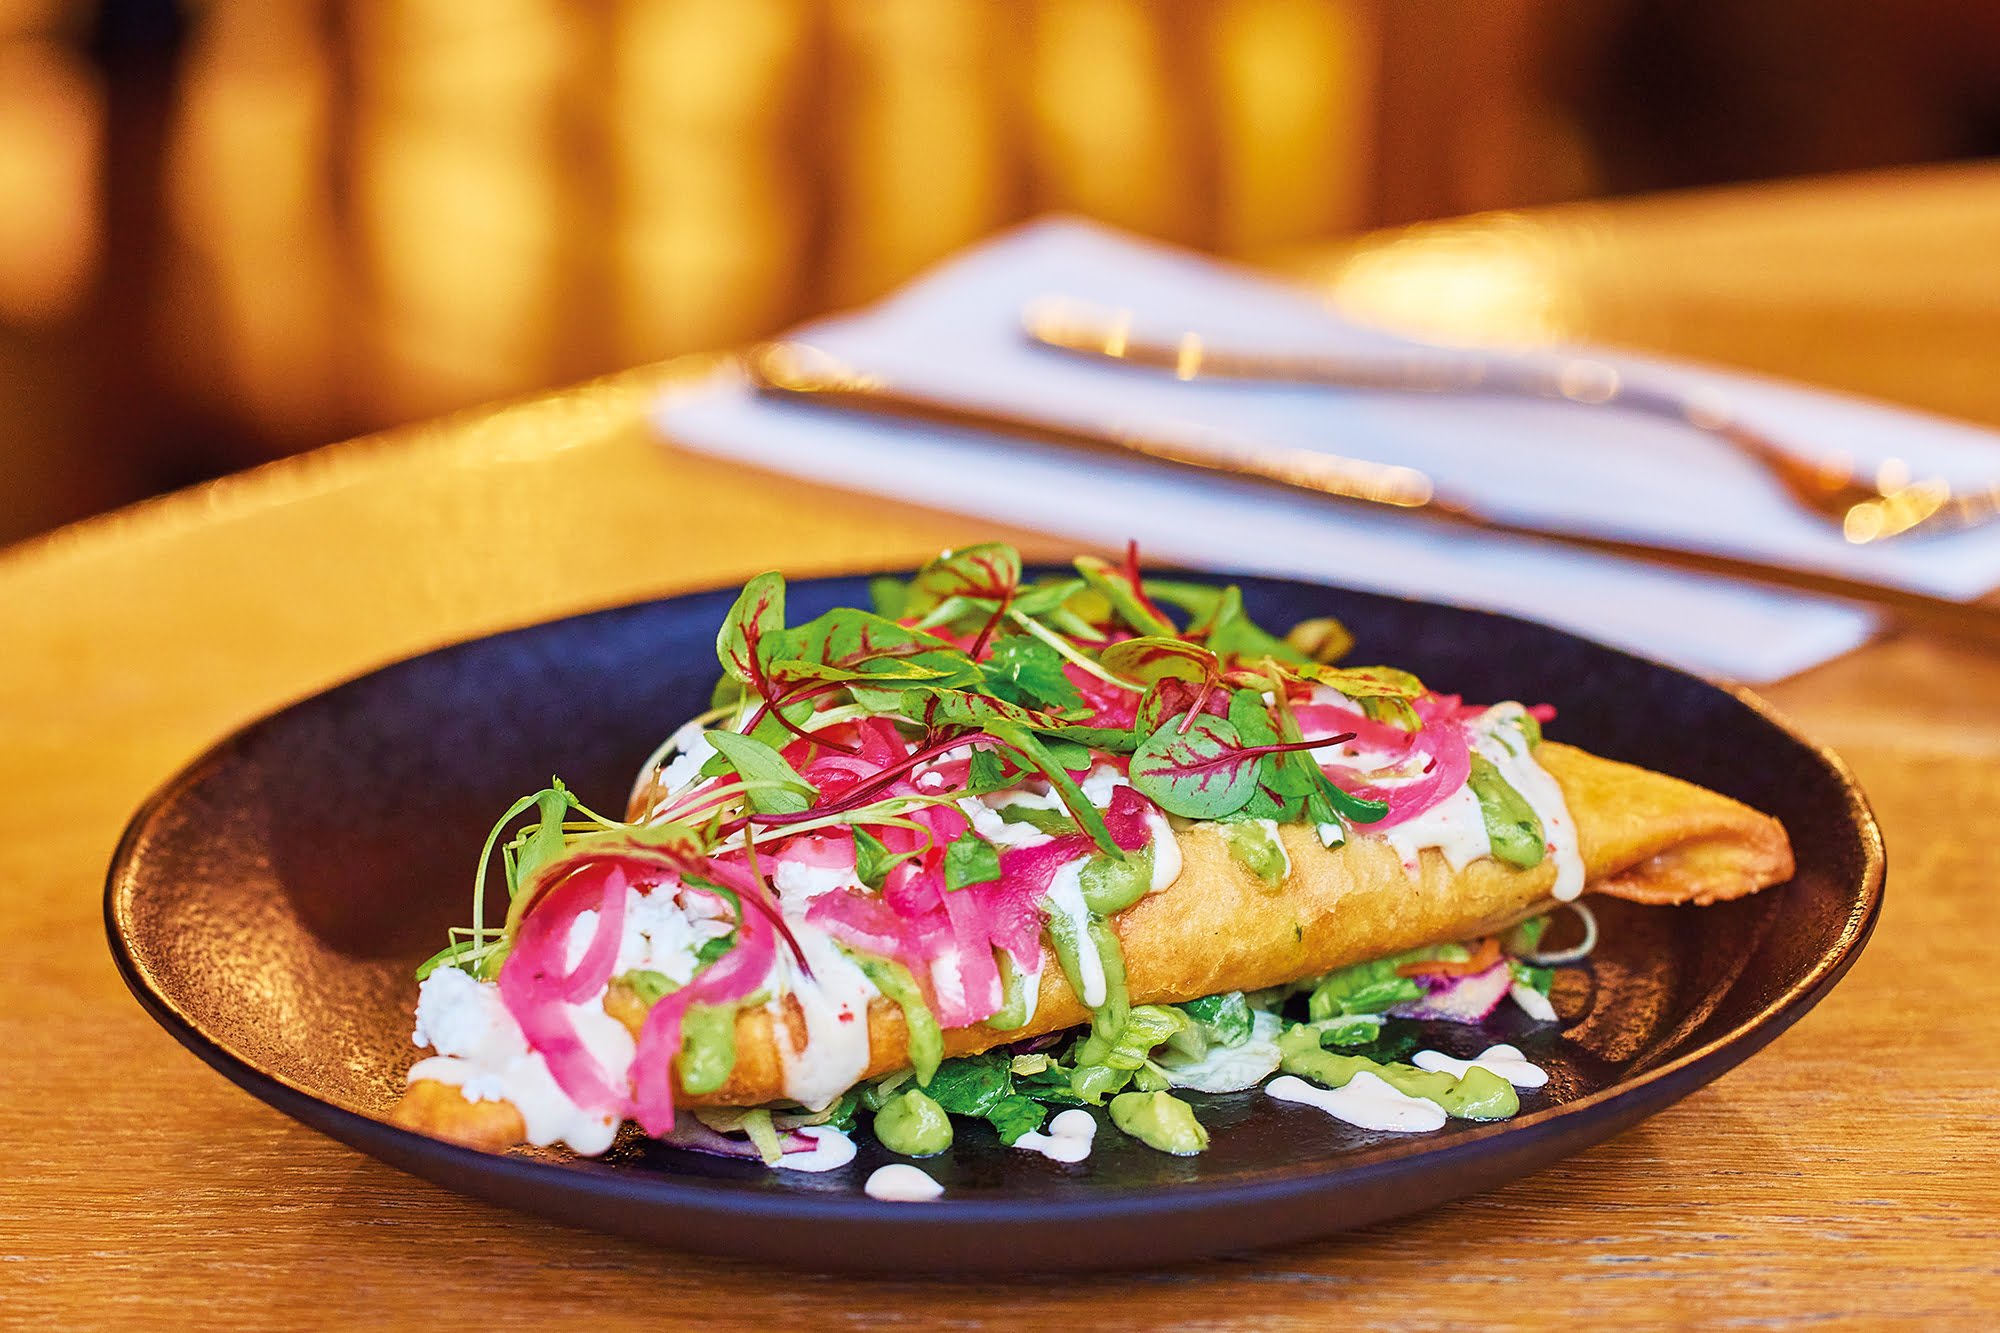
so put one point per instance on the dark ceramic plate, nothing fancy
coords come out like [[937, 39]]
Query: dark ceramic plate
[[268, 905]]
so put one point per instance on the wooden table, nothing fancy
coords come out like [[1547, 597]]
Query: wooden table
[[1852, 1170]]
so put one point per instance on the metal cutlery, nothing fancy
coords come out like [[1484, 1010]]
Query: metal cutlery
[[801, 373]]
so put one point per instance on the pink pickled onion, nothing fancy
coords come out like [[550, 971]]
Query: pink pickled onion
[[1441, 740], [828, 849], [862, 920], [731, 977], [1127, 818], [535, 982], [917, 888]]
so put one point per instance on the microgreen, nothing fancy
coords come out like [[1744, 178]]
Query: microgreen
[[1229, 632], [1198, 771], [1282, 788], [1127, 598], [1052, 822], [890, 596], [1030, 747], [1385, 693], [990, 571], [988, 772], [852, 639], [1151, 659], [1069, 650], [759, 612], [771, 785]]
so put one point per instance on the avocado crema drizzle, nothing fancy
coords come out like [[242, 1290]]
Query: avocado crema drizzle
[[967, 682]]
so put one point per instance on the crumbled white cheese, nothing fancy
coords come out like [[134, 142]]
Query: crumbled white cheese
[[685, 768]]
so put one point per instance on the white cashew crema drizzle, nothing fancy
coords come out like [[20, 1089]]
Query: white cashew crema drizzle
[[899, 1182]]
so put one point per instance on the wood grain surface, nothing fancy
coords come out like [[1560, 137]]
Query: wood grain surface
[[1850, 1173]]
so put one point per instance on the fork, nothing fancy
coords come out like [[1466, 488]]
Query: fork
[[1890, 504]]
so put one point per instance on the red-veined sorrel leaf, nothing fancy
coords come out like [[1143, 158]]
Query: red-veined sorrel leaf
[[787, 673], [1111, 583], [1153, 658], [1385, 691], [935, 707], [758, 615], [990, 571], [1197, 766], [1376, 682], [849, 637], [1201, 772], [1167, 698]]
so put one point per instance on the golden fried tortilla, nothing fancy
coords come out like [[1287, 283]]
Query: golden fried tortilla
[[1644, 837]]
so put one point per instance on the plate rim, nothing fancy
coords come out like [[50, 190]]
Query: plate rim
[[1614, 1107]]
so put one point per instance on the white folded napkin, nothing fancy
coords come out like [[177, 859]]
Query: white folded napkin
[[956, 332]]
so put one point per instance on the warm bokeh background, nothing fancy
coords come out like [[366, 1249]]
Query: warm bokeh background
[[234, 229]]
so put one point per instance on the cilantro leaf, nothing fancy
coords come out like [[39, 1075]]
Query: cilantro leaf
[[1024, 670], [872, 858], [970, 859], [989, 771]]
